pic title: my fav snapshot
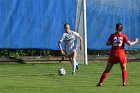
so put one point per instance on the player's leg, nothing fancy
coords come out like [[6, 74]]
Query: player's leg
[[74, 63], [105, 73], [75, 57], [124, 73]]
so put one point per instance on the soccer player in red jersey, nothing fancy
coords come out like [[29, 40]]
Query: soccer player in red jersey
[[117, 53]]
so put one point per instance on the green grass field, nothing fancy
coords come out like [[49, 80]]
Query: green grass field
[[43, 78]]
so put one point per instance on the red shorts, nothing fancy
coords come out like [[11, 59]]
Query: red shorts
[[114, 59]]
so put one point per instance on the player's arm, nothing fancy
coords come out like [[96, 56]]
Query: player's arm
[[60, 44], [109, 41], [60, 47], [81, 42], [132, 43]]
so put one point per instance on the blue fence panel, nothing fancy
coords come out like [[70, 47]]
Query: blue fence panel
[[102, 16], [39, 23], [34, 23]]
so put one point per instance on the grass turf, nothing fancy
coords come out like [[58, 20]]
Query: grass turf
[[43, 78]]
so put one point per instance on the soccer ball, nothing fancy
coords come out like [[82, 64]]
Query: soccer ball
[[61, 71]]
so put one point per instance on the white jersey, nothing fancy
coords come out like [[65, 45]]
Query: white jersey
[[70, 41]]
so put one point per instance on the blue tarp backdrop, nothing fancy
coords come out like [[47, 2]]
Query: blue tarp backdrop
[[39, 23], [102, 16], [34, 23]]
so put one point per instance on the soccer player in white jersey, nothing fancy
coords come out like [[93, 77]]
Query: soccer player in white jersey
[[69, 37]]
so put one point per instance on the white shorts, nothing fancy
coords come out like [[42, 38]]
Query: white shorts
[[69, 52]]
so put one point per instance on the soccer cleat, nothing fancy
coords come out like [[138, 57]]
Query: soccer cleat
[[77, 66], [62, 60], [124, 84], [99, 84]]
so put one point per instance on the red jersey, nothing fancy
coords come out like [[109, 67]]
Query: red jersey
[[118, 41], [117, 53]]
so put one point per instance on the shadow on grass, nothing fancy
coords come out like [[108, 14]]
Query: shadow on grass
[[11, 60]]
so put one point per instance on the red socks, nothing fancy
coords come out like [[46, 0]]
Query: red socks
[[103, 77], [105, 74], [124, 76]]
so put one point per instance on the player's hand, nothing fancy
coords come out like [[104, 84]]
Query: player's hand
[[136, 39], [63, 53]]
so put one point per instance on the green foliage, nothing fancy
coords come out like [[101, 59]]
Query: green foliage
[[38, 52], [106, 52], [23, 52]]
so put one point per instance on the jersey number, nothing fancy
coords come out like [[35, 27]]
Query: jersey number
[[118, 41]]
